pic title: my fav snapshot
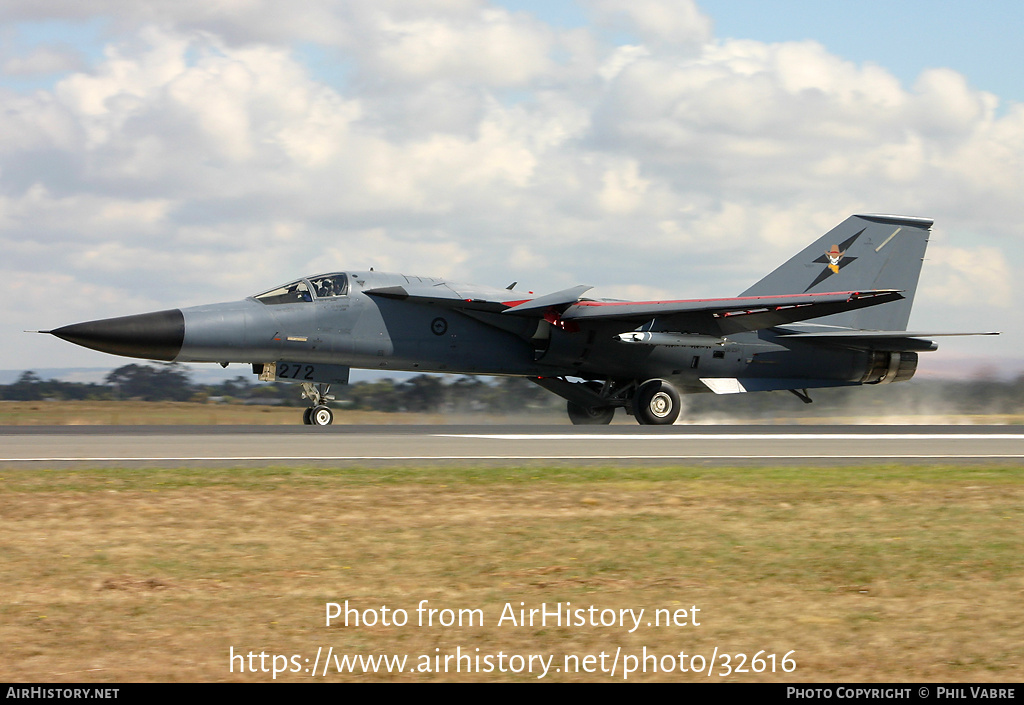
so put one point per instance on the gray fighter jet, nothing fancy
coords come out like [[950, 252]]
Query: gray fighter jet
[[835, 315]]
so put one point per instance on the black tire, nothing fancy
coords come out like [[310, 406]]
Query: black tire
[[321, 416], [656, 403], [590, 416], [307, 414]]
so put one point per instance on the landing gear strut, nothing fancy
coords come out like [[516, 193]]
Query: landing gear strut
[[319, 414]]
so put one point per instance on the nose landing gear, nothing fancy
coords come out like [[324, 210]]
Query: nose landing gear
[[319, 414]]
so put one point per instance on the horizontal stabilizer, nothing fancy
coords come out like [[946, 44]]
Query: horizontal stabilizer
[[723, 385], [880, 334], [734, 385], [877, 339]]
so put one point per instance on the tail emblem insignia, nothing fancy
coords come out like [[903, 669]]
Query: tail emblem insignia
[[834, 260]]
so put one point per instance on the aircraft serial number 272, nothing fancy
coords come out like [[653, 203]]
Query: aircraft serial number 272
[[834, 315]]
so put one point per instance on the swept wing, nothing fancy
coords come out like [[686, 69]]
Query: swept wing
[[732, 315], [710, 316]]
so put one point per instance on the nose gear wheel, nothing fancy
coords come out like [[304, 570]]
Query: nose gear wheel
[[319, 414]]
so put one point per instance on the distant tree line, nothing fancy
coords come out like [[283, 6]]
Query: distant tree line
[[173, 382], [164, 383], [467, 394]]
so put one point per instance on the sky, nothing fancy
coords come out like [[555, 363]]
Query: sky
[[178, 152]]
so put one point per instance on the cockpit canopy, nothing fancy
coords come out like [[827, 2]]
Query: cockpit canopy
[[323, 286]]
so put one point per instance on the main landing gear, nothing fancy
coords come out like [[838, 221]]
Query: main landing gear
[[654, 402], [319, 414], [590, 415]]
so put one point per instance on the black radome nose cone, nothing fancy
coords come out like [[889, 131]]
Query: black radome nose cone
[[151, 336]]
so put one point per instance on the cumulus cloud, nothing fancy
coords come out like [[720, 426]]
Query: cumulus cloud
[[969, 276], [671, 25], [43, 60], [204, 152]]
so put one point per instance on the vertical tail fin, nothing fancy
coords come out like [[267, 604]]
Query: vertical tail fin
[[863, 252]]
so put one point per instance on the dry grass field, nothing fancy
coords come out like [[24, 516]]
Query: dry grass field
[[872, 573]]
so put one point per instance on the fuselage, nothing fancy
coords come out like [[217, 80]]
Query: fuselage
[[835, 314], [359, 330]]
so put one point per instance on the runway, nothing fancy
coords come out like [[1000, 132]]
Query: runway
[[132, 446]]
